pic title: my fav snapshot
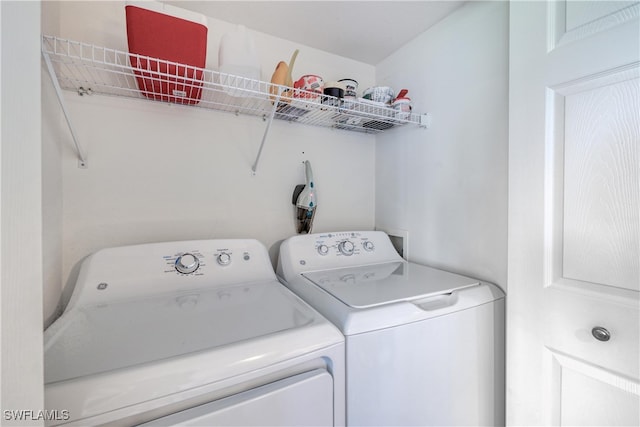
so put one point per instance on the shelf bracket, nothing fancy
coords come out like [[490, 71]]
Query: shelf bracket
[[254, 168], [82, 162], [425, 120]]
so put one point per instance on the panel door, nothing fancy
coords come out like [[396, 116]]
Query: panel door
[[574, 214], [444, 371], [301, 400]]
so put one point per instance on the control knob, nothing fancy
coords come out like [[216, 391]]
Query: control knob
[[368, 245], [187, 263], [323, 249], [224, 258], [346, 247]]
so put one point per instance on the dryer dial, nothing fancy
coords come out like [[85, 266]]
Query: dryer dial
[[224, 258], [187, 263], [346, 247]]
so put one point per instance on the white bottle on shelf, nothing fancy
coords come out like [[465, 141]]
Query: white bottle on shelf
[[237, 56]]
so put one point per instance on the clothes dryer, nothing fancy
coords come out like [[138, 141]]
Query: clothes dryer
[[191, 333], [423, 346]]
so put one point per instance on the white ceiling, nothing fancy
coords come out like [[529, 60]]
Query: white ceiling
[[367, 31]]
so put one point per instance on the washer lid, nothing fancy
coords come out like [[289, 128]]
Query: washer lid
[[379, 284], [100, 338]]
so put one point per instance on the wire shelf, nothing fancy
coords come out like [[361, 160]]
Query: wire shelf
[[86, 68]]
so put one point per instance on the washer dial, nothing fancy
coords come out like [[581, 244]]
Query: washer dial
[[323, 249], [187, 263], [346, 247], [368, 245]]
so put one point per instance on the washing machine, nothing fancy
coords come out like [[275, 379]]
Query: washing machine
[[190, 333], [424, 347]]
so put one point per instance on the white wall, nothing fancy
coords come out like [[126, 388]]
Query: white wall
[[52, 132], [20, 213], [447, 186], [159, 172]]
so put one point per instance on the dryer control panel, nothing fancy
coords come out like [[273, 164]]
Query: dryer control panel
[[151, 269], [196, 260]]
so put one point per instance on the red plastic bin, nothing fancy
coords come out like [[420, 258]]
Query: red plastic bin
[[167, 38]]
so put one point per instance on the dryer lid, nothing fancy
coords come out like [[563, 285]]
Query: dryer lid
[[386, 283], [104, 337]]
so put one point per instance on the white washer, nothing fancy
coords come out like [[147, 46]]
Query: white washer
[[424, 346], [191, 333]]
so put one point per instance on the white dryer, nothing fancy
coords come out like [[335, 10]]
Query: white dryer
[[424, 347], [191, 333]]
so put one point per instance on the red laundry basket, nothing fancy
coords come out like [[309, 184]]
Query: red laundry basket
[[172, 39]]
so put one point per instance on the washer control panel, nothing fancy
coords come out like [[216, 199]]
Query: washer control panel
[[321, 251], [343, 244]]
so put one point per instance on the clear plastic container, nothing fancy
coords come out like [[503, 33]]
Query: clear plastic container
[[237, 56]]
